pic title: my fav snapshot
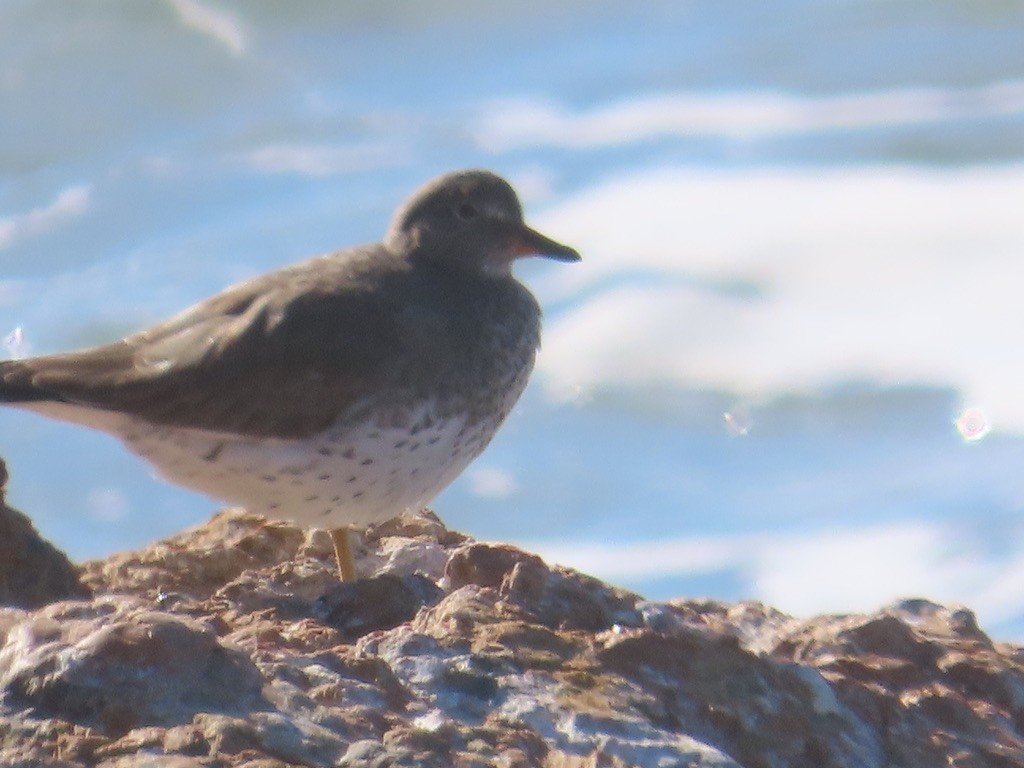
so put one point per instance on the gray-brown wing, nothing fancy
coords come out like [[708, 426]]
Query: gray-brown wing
[[282, 355]]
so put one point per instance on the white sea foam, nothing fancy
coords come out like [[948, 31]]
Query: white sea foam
[[70, 203], [514, 124], [107, 504], [491, 482], [822, 571], [324, 160], [219, 25], [773, 281]]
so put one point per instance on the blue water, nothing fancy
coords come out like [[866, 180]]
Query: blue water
[[151, 154]]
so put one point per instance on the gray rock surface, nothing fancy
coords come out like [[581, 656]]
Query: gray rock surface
[[32, 571], [233, 645]]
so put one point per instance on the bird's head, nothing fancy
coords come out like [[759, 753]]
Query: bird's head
[[469, 219]]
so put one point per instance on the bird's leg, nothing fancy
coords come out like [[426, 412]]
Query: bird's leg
[[343, 551]]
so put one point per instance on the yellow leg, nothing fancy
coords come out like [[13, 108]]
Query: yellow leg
[[343, 551]]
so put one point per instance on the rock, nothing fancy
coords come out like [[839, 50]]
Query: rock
[[234, 645], [556, 597], [32, 571], [380, 602], [199, 561], [115, 665]]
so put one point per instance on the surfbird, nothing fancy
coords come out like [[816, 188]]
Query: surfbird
[[334, 393]]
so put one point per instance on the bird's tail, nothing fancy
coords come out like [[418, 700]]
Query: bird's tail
[[16, 384]]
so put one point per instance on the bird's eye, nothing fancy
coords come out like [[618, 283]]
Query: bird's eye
[[467, 211]]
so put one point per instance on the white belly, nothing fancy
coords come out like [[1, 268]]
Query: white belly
[[354, 473], [356, 476]]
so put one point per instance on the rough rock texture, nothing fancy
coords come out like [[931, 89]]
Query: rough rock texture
[[233, 645], [32, 571]]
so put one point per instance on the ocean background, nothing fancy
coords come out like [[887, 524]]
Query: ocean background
[[789, 367]]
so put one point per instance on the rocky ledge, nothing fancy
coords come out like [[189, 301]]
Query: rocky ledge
[[234, 645]]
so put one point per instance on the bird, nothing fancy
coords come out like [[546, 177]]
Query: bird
[[336, 392]]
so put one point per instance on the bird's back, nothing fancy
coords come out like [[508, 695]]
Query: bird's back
[[331, 331]]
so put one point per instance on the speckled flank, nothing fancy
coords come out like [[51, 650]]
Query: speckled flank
[[354, 474], [382, 460]]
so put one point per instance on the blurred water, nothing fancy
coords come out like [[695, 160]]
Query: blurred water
[[805, 214]]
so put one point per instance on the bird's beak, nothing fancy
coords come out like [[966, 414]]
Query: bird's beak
[[530, 242]]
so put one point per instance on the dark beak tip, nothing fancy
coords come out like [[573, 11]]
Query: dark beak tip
[[568, 256]]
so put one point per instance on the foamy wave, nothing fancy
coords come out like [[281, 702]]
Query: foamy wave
[[515, 124], [219, 25], [323, 160], [69, 203], [815, 572], [896, 276]]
